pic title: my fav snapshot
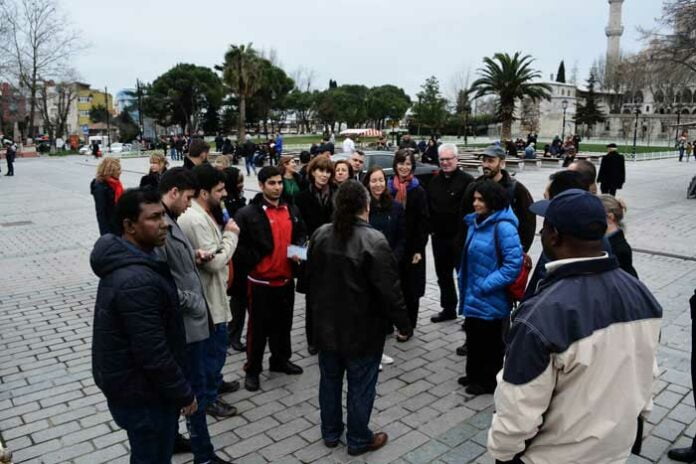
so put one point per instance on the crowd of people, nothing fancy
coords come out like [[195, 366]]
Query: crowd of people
[[184, 260]]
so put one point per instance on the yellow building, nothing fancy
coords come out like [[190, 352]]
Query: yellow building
[[87, 99]]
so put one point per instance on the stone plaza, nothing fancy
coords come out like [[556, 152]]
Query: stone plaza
[[51, 411]]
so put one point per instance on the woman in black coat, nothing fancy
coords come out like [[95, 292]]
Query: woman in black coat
[[406, 190], [316, 207], [106, 188], [619, 246], [386, 215], [158, 166]]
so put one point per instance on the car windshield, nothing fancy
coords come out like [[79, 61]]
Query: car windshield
[[382, 160]]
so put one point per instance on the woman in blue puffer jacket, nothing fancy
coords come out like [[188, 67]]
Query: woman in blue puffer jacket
[[491, 261]]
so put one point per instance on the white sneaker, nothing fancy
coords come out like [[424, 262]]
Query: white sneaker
[[387, 359], [380, 367]]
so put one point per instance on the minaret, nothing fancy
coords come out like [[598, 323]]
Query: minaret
[[614, 31]]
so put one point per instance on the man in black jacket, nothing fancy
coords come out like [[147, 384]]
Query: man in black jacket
[[352, 314], [138, 345], [612, 171], [268, 227], [445, 192]]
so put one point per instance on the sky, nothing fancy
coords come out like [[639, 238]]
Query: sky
[[399, 42]]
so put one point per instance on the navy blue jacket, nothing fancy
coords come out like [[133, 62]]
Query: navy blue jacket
[[138, 334], [105, 206]]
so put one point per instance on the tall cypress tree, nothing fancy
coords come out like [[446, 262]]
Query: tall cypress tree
[[560, 75], [589, 113]]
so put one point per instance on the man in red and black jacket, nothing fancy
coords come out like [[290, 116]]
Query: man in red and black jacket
[[268, 227]]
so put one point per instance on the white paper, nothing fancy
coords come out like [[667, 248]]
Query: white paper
[[299, 251]]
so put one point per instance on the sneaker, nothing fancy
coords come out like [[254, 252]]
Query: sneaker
[[182, 444], [287, 368], [219, 409], [443, 316], [219, 460], [387, 360], [228, 387]]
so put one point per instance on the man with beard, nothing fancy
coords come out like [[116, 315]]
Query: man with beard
[[203, 232]]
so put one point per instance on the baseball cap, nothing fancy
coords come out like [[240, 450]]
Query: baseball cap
[[494, 151], [575, 212]]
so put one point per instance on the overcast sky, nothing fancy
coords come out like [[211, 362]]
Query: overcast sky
[[352, 41]]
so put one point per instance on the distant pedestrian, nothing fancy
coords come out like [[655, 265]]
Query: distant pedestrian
[[530, 151], [612, 171], [158, 166], [445, 192], [292, 180], [96, 151], [106, 188], [569, 156], [248, 150], [268, 227], [681, 146], [198, 152], [406, 189], [139, 340], [430, 155], [327, 145], [351, 316], [580, 365], [10, 155], [279, 145], [491, 262], [219, 140], [407, 142], [348, 145]]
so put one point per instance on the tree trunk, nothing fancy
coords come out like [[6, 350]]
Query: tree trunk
[[242, 119]]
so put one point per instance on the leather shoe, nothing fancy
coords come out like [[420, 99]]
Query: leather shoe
[[463, 381], [287, 368], [462, 351], [219, 409], [181, 444], [683, 454], [312, 350], [228, 387], [331, 443], [442, 317], [251, 382], [476, 389], [237, 346], [378, 440]]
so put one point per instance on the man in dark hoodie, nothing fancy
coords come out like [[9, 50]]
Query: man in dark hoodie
[[138, 346]]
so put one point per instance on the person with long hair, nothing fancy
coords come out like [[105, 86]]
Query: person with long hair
[[106, 188], [407, 191], [292, 181], [342, 172], [158, 166], [351, 315], [491, 261], [316, 207], [616, 208]]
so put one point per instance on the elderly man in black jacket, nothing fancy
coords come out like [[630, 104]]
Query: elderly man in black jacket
[[138, 346], [445, 192], [612, 171], [351, 315]]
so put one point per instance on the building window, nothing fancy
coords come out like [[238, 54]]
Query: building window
[[84, 99], [84, 113]]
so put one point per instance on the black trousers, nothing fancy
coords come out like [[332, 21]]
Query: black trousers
[[610, 189], [236, 326], [270, 318], [309, 321], [444, 254], [10, 164], [486, 349]]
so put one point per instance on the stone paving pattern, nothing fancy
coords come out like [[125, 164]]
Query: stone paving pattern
[[51, 411]]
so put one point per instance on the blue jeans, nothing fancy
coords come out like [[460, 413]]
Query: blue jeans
[[215, 359], [198, 377], [172, 153], [151, 430], [362, 381], [249, 161]]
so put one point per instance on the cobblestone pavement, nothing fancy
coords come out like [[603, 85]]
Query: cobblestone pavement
[[51, 412]]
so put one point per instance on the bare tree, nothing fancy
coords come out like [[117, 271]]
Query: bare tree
[[40, 41], [304, 78], [56, 99], [673, 41]]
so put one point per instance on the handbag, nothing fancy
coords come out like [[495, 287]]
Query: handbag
[[516, 289]]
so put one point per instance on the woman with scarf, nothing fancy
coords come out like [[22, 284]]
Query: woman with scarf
[[106, 189], [405, 188], [316, 208]]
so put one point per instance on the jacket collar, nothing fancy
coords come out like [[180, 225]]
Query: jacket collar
[[562, 268]]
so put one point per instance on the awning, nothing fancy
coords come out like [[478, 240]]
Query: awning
[[363, 132]]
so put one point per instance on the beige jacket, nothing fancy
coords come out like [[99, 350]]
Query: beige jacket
[[204, 233], [579, 368]]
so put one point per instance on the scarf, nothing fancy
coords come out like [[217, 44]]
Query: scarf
[[116, 186], [401, 188]]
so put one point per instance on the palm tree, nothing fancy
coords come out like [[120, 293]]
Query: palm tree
[[510, 78], [241, 74]]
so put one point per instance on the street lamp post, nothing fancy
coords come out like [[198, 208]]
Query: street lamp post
[[676, 132], [635, 131], [564, 105]]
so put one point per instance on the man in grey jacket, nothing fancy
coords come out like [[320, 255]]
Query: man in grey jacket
[[178, 186]]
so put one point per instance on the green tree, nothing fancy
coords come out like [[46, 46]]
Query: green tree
[[98, 113], [351, 104], [431, 109], [241, 73], [462, 112], [589, 113], [510, 78], [327, 108], [386, 102], [179, 96], [303, 103], [270, 98], [560, 75]]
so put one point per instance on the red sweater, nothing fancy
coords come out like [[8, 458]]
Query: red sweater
[[276, 265]]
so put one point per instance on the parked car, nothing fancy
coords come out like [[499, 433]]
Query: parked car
[[424, 172]]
